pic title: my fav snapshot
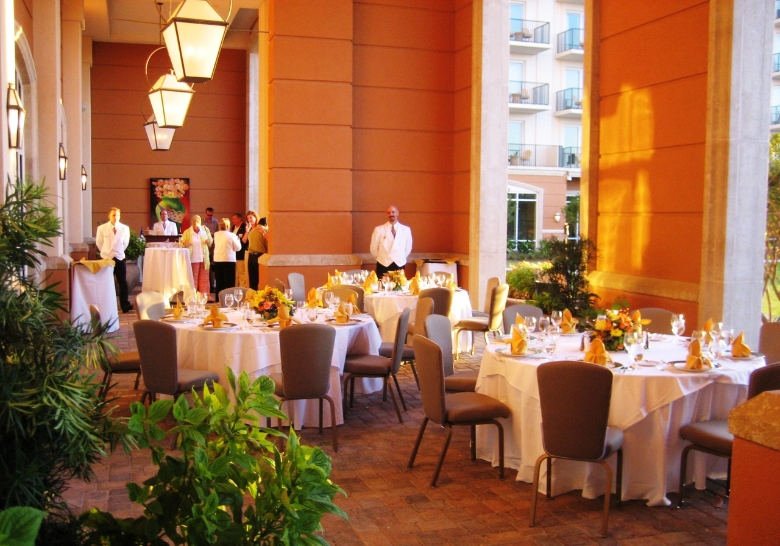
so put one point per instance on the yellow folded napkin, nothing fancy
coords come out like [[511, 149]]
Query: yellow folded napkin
[[215, 317], [414, 286], [96, 265], [312, 301], [419, 263], [330, 284], [284, 318], [451, 284], [707, 329], [178, 310], [519, 343], [341, 314], [367, 285], [569, 323], [353, 300], [695, 360], [597, 354], [519, 320], [739, 348]]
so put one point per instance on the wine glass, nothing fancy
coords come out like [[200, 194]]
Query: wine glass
[[229, 301], [238, 294], [288, 292], [556, 317], [312, 314], [249, 314], [544, 323], [678, 327], [550, 343], [530, 323], [630, 343], [299, 306]]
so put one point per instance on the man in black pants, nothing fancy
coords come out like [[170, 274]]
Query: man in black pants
[[111, 240]]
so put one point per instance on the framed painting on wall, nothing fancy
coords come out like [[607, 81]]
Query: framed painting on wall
[[173, 195]]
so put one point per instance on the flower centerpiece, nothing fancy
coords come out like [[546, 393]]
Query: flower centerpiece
[[397, 278], [611, 326], [268, 301]]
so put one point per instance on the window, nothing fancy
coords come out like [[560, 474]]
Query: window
[[572, 78], [572, 138], [573, 20], [515, 78], [515, 141], [520, 217], [572, 219]]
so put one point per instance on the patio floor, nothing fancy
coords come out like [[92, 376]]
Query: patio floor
[[389, 504]]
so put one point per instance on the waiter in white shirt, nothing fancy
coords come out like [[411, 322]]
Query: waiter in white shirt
[[111, 240], [391, 243], [164, 226]]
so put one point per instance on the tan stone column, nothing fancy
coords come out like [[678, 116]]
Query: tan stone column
[[86, 136], [72, 16], [7, 69]]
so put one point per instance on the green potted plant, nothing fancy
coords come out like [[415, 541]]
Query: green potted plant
[[136, 248]]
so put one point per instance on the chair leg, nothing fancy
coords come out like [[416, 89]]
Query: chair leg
[[351, 391], [395, 402], [535, 487], [332, 420], [683, 472], [607, 494], [320, 400], [486, 343], [473, 442], [400, 394], [456, 333], [414, 371], [384, 393], [443, 454], [500, 450], [549, 478], [619, 478], [417, 443], [137, 379]]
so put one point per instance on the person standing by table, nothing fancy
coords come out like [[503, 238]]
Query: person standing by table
[[210, 222], [111, 240], [239, 228], [198, 239], [258, 245], [165, 226], [391, 243], [226, 244]]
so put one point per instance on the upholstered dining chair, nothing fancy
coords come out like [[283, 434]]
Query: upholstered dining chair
[[128, 362], [354, 272], [510, 313], [298, 286], [344, 292], [159, 362], [494, 323], [306, 352], [231, 291], [769, 341], [448, 410], [491, 284], [439, 330], [574, 399], [442, 299], [376, 366], [421, 312], [150, 305], [279, 285], [713, 436], [660, 320]]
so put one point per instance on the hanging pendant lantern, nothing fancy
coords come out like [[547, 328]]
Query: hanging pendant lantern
[[160, 138], [170, 100]]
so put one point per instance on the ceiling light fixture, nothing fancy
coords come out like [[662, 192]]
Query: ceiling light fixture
[[160, 138], [170, 98]]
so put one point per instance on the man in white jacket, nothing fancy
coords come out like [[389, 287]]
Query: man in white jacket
[[391, 243], [164, 226], [111, 240]]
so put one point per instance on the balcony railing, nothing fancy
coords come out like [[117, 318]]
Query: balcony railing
[[574, 38], [535, 155], [569, 99], [525, 30], [570, 157], [776, 62], [775, 115], [529, 93], [777, 9]]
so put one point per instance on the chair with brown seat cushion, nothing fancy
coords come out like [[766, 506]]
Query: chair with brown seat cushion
[[424, 308], [491, 284], [150, 305], [769, 341], [574, 398], [376, 366], [448, 410], [159, 362], [524, 310], [660, 320], [128, 362], [439, 330], [298, 285], [493, 323], [713, 436], [442, 299], [306, 352]]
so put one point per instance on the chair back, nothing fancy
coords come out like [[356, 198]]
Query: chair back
[[660, 320], [279, 285], [442, 299], [522, 309], [306, 351], [344, 292], [400, 338], [491, 284], [497, 306], [769, 341], [439, 330], [231, 291], [428, 359], [574, 398], [421, 312], [157, 349], [150, 305], [354, 272], [359, 290], [297, 285], [764, 379]]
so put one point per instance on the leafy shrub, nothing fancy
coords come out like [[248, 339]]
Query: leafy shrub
[[136, 248], [522, 279]]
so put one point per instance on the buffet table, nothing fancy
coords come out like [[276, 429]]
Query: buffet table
[[167, 271], [650, 404]]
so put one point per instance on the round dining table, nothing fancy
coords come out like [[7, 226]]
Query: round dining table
[[255, 349], [650, 403], [167, 270]]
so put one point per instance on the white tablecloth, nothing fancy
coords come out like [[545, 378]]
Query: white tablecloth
[[440, 267], [167, 271], [257, 352], [650, 405], [98, 289]]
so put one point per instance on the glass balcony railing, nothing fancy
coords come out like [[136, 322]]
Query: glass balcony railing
[[777, 9], [529, 93], [544, 155], [776, 115], [776, 62], [574, 38], [569, 99], [570, 157], [525, 30]]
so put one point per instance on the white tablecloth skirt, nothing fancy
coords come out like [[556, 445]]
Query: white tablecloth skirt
[[167, 271], [98, 289]]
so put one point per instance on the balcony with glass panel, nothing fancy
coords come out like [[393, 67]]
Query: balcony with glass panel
[[534, 155], [570, 157], [528, 97], [571, 45], [774, 125], [777, 13], [776, 66], [528, 37], [568, 103]]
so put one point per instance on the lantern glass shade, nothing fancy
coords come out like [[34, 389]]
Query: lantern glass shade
[[160, 138], [170, 100], [193, 38], [63, 164], [83, 178], [16, 115]]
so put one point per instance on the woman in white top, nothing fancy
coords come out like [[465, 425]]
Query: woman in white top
[[197, 238], [226, 243]]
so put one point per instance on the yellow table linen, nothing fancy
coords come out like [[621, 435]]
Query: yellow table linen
[[284, 318], [695, 360], [569, 323], [96, 265], [739, 348], [215, 318]]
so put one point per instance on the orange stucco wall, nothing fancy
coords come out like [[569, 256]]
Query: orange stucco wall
[[652, 102], [210, 149]]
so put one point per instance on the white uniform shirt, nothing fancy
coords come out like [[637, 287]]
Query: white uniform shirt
[[226, 244], [165, 228], [387, 248], [111, 244]]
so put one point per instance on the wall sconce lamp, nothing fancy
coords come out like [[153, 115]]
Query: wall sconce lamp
[[160, 138], [16, 114], [83, 178], [557, 216], [193, 37], [63, 163]]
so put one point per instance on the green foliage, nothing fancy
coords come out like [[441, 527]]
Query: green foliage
[[528, 250], [568, 276], [198, 498], [522, 279], [572, 210], [19, 526], [136, 248], [772, 234], [52, 424]]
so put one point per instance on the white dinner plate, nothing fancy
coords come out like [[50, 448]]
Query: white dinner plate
[[228, 327], [507, 351], [680, 366], [751, 357], [571, 335], [351, 322], [169, 318]]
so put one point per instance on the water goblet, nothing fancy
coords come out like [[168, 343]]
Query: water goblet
[[229, 300], [329, 299], [550, 343], [249, 314], [288, 292], [530, 323], [311, 312], [238, 294], [544, 323], [678, 328], [299, 306], [630, 343], [557, 317]]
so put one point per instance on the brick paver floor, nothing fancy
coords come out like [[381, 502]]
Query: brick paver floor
[[389, 504]]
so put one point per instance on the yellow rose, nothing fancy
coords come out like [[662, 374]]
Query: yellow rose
[[603, 324]]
